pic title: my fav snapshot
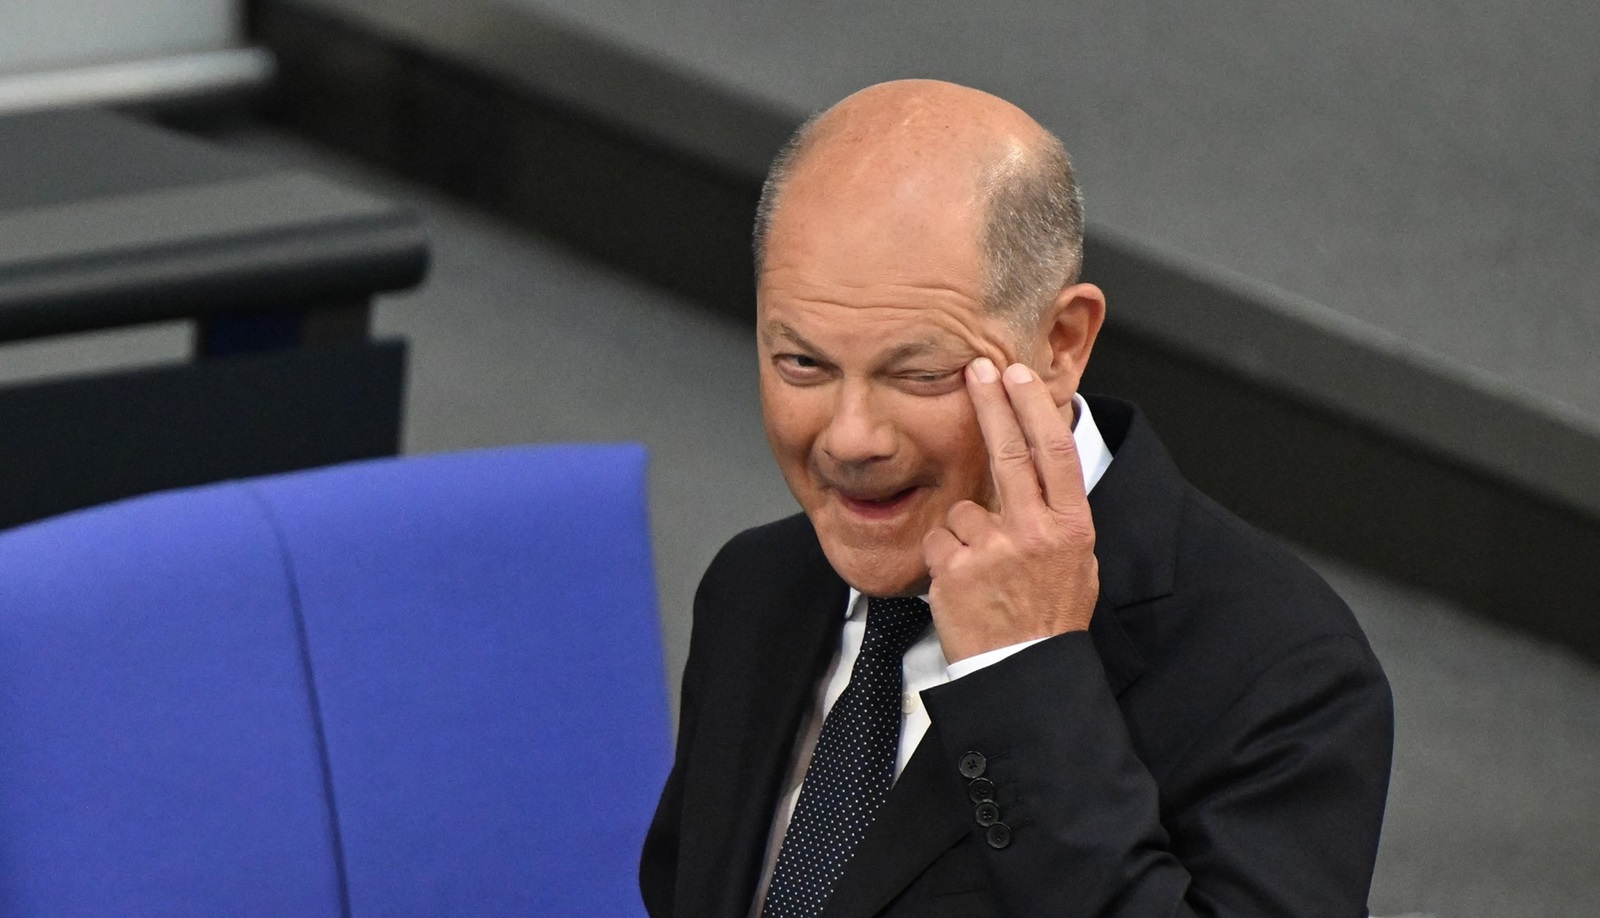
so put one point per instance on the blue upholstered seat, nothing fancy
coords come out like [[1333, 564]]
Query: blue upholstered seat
[[427, 686]]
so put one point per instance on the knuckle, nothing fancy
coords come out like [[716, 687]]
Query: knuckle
[[1079, 529], [1060, 444], [1047, 533], [1085, 536], [988, 541], [1077, 541], [1013, 450]]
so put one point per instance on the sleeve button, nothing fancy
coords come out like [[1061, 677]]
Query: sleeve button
[[998, 836], [987, 814], [973, 764], [980, 789]]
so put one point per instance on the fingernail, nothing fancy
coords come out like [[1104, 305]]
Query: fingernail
[[1017, 373], [983, 370]]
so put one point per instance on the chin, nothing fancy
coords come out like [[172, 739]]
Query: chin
[[879, 572]]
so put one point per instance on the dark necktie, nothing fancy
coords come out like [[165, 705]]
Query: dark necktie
[[852, 768]]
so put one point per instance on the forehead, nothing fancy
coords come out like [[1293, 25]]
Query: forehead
[[885, 293], [872, 255]]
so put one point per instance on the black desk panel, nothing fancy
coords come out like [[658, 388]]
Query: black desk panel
[[108, 221]]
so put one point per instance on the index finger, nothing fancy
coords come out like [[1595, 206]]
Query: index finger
[[1055, 450], [1016, 481]]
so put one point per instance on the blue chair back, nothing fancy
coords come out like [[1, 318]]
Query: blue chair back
[[426, 686]]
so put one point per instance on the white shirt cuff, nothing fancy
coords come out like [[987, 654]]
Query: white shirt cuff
[[988, 658]]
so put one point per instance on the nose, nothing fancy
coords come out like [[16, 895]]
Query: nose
[[858, 432]]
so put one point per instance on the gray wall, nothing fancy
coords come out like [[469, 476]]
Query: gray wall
[[1428, 167], [51, 34]]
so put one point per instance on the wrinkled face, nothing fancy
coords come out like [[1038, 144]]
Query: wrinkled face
[[864, 332]]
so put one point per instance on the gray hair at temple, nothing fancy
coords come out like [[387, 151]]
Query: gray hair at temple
[[1032, 234]]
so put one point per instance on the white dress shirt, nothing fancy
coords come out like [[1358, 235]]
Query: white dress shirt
[[923, 667]]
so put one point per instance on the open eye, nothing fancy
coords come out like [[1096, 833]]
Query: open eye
[[798, 368]]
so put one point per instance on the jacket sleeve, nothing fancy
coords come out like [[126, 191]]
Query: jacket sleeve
[[658, 861], [1272, 810]]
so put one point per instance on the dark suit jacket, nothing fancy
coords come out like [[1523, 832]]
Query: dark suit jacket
[[1218, 743]]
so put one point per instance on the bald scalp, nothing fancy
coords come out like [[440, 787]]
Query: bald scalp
[[975, 156]]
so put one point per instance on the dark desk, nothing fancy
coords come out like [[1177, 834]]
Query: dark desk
[[107, 221]]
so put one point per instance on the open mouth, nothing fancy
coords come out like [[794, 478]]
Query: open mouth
[[877, 507]]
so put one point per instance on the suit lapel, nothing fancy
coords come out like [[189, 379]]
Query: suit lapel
[[751, 715], [1137, 508], [925, 814]]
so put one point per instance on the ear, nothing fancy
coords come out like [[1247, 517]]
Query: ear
[[1067, 333]]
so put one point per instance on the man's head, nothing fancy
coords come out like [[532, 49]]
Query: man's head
[[906, 231]]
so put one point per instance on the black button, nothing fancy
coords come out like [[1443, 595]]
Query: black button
[[987, 813], [973, 764], [998, 836], [980, 789]]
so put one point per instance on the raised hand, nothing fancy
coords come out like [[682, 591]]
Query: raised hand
[[1026, 568]]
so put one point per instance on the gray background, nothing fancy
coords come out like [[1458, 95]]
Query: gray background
[[1428, 167], [53, 34]]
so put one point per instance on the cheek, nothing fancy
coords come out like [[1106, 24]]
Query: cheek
[[793, 418], [951, 438]]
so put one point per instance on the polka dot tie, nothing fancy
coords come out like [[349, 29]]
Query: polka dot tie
[[852, 768]]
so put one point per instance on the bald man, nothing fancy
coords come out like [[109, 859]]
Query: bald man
[[1007, 662]]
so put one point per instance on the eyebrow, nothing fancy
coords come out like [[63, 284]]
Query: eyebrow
[[784, 330]]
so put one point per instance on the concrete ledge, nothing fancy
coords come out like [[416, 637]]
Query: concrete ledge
[[1322, 479], [1470, 486], [625, 88], [107, 221], [180, 78], [1350, 369]]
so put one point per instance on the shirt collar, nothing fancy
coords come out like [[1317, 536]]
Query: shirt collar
[[1093, 455]]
